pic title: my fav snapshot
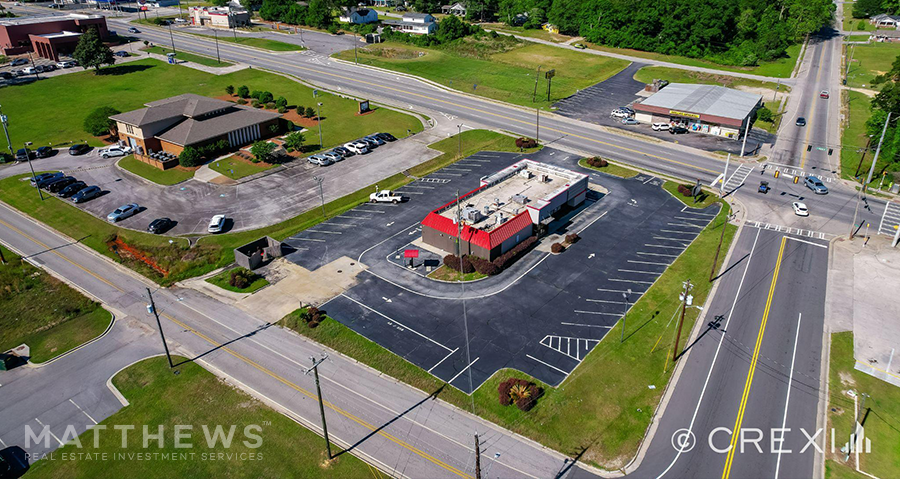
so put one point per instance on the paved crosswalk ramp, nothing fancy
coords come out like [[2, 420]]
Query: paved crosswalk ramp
[[890, 219]]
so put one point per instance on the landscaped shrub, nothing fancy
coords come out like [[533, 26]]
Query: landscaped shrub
[[266, 97], [241, 278], [98, 123], [243, 91], [572, 238], [281, 102], [459, 265], [685, 190], [229, 90], [262, 150], [294, 141], [557, 248], [503, 391], [508, 258], [526, 142], [301, 111], [241, 101], [764, 114], [256, 94], [483, 266], [519, 391], [282, 110], [270, 105], [310, 112], [255, 104], [313, 316], [597, 162], [189, 157]]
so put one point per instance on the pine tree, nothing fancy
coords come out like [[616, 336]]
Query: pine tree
[[92, 52]]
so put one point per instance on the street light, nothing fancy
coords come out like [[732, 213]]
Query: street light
[[319, 121], [5, 121], [625, 295], [319, 179], [459, 141], [33, 177]]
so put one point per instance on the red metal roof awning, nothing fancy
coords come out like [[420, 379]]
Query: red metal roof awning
[[411, 253]]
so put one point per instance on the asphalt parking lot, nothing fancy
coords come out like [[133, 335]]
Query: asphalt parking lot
[[594, 104], [542, 316]]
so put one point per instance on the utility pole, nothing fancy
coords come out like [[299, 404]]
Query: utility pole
[[172, 37], [319, 122], [537, 124], [536, 76], [855, 211], [319, 180], [477, 458], [355, 52], [152, 309], [624, 295], [863, 156], [877, 151], [5, 121], [459, 141], [315, 370], [687, 288], [712, 274], [847, 75], [36, 76], [33, 177], [862, 407], [216, 34], [746, 134]]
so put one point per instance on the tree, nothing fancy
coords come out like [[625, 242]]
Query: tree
[[866, 8], [318, 14], [275, 10], [229, 90], [764, 114], [310, 112], [220, 3], [294, 141], [243, 91], [266, 97], [281, 102], [91, 52], [566, 14], [262, 150], [98, 123], [426, 6], [452, 28], [189, 157]]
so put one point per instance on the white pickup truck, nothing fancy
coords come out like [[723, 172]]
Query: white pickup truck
[[385, 196]]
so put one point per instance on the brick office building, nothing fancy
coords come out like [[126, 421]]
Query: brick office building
[[47, 36]]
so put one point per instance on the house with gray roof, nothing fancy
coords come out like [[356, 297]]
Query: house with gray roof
[[710, 109], [159, 132]]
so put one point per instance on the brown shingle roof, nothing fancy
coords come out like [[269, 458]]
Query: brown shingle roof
[[196, 130], [188, 104]]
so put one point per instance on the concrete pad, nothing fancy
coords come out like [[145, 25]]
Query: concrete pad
[[295, 286], [206, 174]]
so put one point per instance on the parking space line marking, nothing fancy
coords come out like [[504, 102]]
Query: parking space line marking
[[618, 291], [597, 312], [685, 224], [412, 192], [663, 238], [455, 168], [326, 232], [82, 411], [548, 365], [51, 432], [638, 271], [395, 321], [442, 360], [711, 215], [587, 325], [448, 174], [413, 185], [604, 301], [648, 262], [345, 215], [663, 246], [630, 281], [2, 443], [371, 211], [680, 232], [657, 254], [310, 239], [463, 370], [688, 218]]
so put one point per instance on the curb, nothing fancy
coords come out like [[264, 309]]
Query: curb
[[113, 389], [52, 360], [145, 180]]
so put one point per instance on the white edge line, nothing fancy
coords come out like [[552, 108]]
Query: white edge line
[[787, 400], [548, 365], [394, 321], [442, 360]]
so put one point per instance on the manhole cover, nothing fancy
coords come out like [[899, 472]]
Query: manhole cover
[[340, 271]]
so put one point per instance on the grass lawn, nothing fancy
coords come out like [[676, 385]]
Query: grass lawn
[[162, 177], [43, 312], [703, 200], [605, 405], [506, 76], [538, 33], [674, 75], [264, 43], [610, 169], [883, 405], [221, 280], [851, 24], [159, 399], [853, 136], [186, 56], [870, 61], [857, 38], [236, 169], [780, 68], [446, 274]]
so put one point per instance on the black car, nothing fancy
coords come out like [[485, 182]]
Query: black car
[[24, 154], [72, 189], [43, 152], [343, 151], [86, 194], [372, 144], [677, 130], [6, 75], [121, 53], [386, 136], [801, 121], [47, 179], [13, 462], [57, 185], [79, 149], [160, 225], [42, 176]]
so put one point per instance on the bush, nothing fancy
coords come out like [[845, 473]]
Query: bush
[[266, 97], [454, 262], [313, 316], [861, 25], [262, 150], [189, 157], [241, 278], [519, 391], [229, 89], [572, 238], [685, 190], [241, 101], [243, 91], [597, 162], [483, 266], [270, 105], [301, 111], [508, 258], [310, 112], [282, 110], [503, 392], [526, 142], [557, 248], [294, 141], [256, 94], [98, 123], [764, 114], [255, 103], [281, 102]]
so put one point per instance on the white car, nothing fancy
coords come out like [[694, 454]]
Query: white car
[[115, 151], [357, 147], [800, 209], [29, 71], [216, 224], [385, 196], [660, 126], [619, 113], [65, 64]]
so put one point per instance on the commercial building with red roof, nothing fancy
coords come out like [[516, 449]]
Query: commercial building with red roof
[[505, 210]]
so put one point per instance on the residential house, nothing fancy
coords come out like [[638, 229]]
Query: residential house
[[219, 17], [359, 16], [384, 3], [458, 9], [415, 23], [884, 20], [887, 36], [159, 132]]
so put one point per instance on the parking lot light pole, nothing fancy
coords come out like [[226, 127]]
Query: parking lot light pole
[[319, 122], [459, 141], [625, 295], [33, 177], [5, 121], [319, 180]]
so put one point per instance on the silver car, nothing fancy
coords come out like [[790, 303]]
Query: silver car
[[123, 212], [319, 160], [333, 156]]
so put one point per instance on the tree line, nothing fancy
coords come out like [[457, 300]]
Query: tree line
[[886, 101]]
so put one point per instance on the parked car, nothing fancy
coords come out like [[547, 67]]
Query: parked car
[[88, 193], [55, 5], [619, 113], [122, 212], [24, 154], [800, 209], [121, 53], [6, 75], [824, 95], [43, 152], [378, 141], [660, 126], [65, 64], [331, 155], [133, 30], [816, 185], [357, 147], [57, 185], [160, 225], [13, 462], [319, 160], [386, 136], [216, 224], [801, 121], [370, 144], [342, 151], [79, 149], [385, 196], [45, 176], [18, 61], [630, 121], [72, 189], [115, 151], [29, 71], [678, 130], [48, 67]]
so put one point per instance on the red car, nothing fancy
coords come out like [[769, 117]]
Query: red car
[[824, 95]]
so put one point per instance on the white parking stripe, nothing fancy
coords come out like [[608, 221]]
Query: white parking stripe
[[463, 370], [663, 246], [587, 325], [596, 312], [685, 224], [442, 360], [630, 281], [326, 232], [657, 254], [548, 365], [397, 322], [82, 411], [648, 262], [310, 239], [636, 271], [369, 211], [618, 291], [48, 430], [604, 301], [681, 232]]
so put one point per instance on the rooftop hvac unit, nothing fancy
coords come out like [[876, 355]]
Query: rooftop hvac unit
[[471, 214], [500, 218], [487, 210], [525, 174], [520, 199], [545, 178]]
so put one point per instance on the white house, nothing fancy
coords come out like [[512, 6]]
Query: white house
[[458, 9], [415, 23], [359, 16], [884, 20]]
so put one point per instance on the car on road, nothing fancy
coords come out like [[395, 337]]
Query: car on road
[[57, 185], [331, 155], [66, 64], [72, 189], [342, 151], [824, 95], [122, 212], [630, 121], [357, 147], [801, 121], [133, 30], [37, 179], [677, 130], [18, 61], [385, 196], [800, 209], [386, 136], [160, 225], [319, 160], [43, 152], [121, 53], [216, 224], [115, 151], [660, 126], [24, 154], [79, 149], [816, 185], [88, 193]]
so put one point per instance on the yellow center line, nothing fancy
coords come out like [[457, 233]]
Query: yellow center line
[[812, 111], [726, 472]]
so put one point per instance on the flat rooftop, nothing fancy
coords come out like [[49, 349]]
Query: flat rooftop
[[60, 35], [510, 191], [713, 100], [47, 18]]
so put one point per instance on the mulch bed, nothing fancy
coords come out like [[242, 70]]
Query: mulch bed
[[291, 114]]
